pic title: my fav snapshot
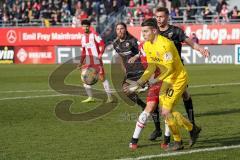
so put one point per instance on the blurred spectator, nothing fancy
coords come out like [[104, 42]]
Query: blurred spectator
[[192, 2], [5, 8], [65, 11], [5, 18], [88, 8], [141, 2], [96, 6], [55, 20], [234, 14], [76, 21], [175, 3], [115, 6], [224, 13], [219, 5], [108, 4], [64, 18], [161, 3], [178, 15], [207, 14], [203, 2], [83, 15], [46, 22], [65, 8], [172, 13], [131, 4], [190, 13], [25, 18], [23, 7], [148, 13], [139, 14], [93, 18]]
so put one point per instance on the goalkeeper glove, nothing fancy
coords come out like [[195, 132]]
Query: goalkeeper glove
[[133, 86]]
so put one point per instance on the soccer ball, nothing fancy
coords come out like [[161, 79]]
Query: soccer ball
[[89, 75]]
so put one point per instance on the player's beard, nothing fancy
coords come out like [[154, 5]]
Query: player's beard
[[122, 36], [87, 30]]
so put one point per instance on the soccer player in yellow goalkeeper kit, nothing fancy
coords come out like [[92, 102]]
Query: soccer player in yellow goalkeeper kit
[[161, 53]]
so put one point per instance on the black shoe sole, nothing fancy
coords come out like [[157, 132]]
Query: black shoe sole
[[193, 142], [154, 138]]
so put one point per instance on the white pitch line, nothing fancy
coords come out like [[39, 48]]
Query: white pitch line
[[20, 91], [30, 97], [184, 152], [113, 90], [213, 85]]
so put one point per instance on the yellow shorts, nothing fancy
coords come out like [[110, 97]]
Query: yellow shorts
[[170, 93]]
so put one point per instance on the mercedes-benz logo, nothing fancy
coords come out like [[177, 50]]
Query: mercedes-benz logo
[[11, 36]]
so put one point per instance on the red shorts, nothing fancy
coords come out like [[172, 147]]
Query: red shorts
[[153, 92], [99, 68]]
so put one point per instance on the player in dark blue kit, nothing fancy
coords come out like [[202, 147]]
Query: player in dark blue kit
[[178, 36]]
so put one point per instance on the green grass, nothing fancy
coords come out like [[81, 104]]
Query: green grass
[[30, 129]]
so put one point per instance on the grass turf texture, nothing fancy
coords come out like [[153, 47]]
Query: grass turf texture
[[31, 130]]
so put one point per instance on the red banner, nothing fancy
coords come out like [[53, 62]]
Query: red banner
[[207, 34], [41, 36], [34, 55]]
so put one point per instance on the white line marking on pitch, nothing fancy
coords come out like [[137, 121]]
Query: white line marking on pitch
[[191, 86], [30, 97], [183, 152], [213, 85], [20, 91]]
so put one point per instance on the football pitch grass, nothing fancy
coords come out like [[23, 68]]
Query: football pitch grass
[[30, 129]]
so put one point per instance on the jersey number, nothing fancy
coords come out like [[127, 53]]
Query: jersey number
[[170, 92]]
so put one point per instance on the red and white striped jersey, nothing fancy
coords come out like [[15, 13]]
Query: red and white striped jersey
[[142, 54], [92, 49]]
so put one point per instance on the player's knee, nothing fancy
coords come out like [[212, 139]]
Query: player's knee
[[170, 119], [165, 113], [176, 115], [151, 106]]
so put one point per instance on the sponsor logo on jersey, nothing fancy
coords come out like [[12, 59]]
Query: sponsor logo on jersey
[[168, 56], [155, 59], [170, 35]]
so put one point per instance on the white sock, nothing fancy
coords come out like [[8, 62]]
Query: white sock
[[142, 120], [106, 87], [167, 130], [88, 90]]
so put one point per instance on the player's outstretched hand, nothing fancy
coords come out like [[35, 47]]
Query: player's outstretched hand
[[152, 81], [204, 52], [132, 87]]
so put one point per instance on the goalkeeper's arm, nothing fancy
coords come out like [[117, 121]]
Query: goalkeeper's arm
[[147, 74]]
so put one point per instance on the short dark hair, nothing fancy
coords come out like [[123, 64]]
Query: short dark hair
[[163, 9], [122, 24], [152, 22], [86, 22]]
